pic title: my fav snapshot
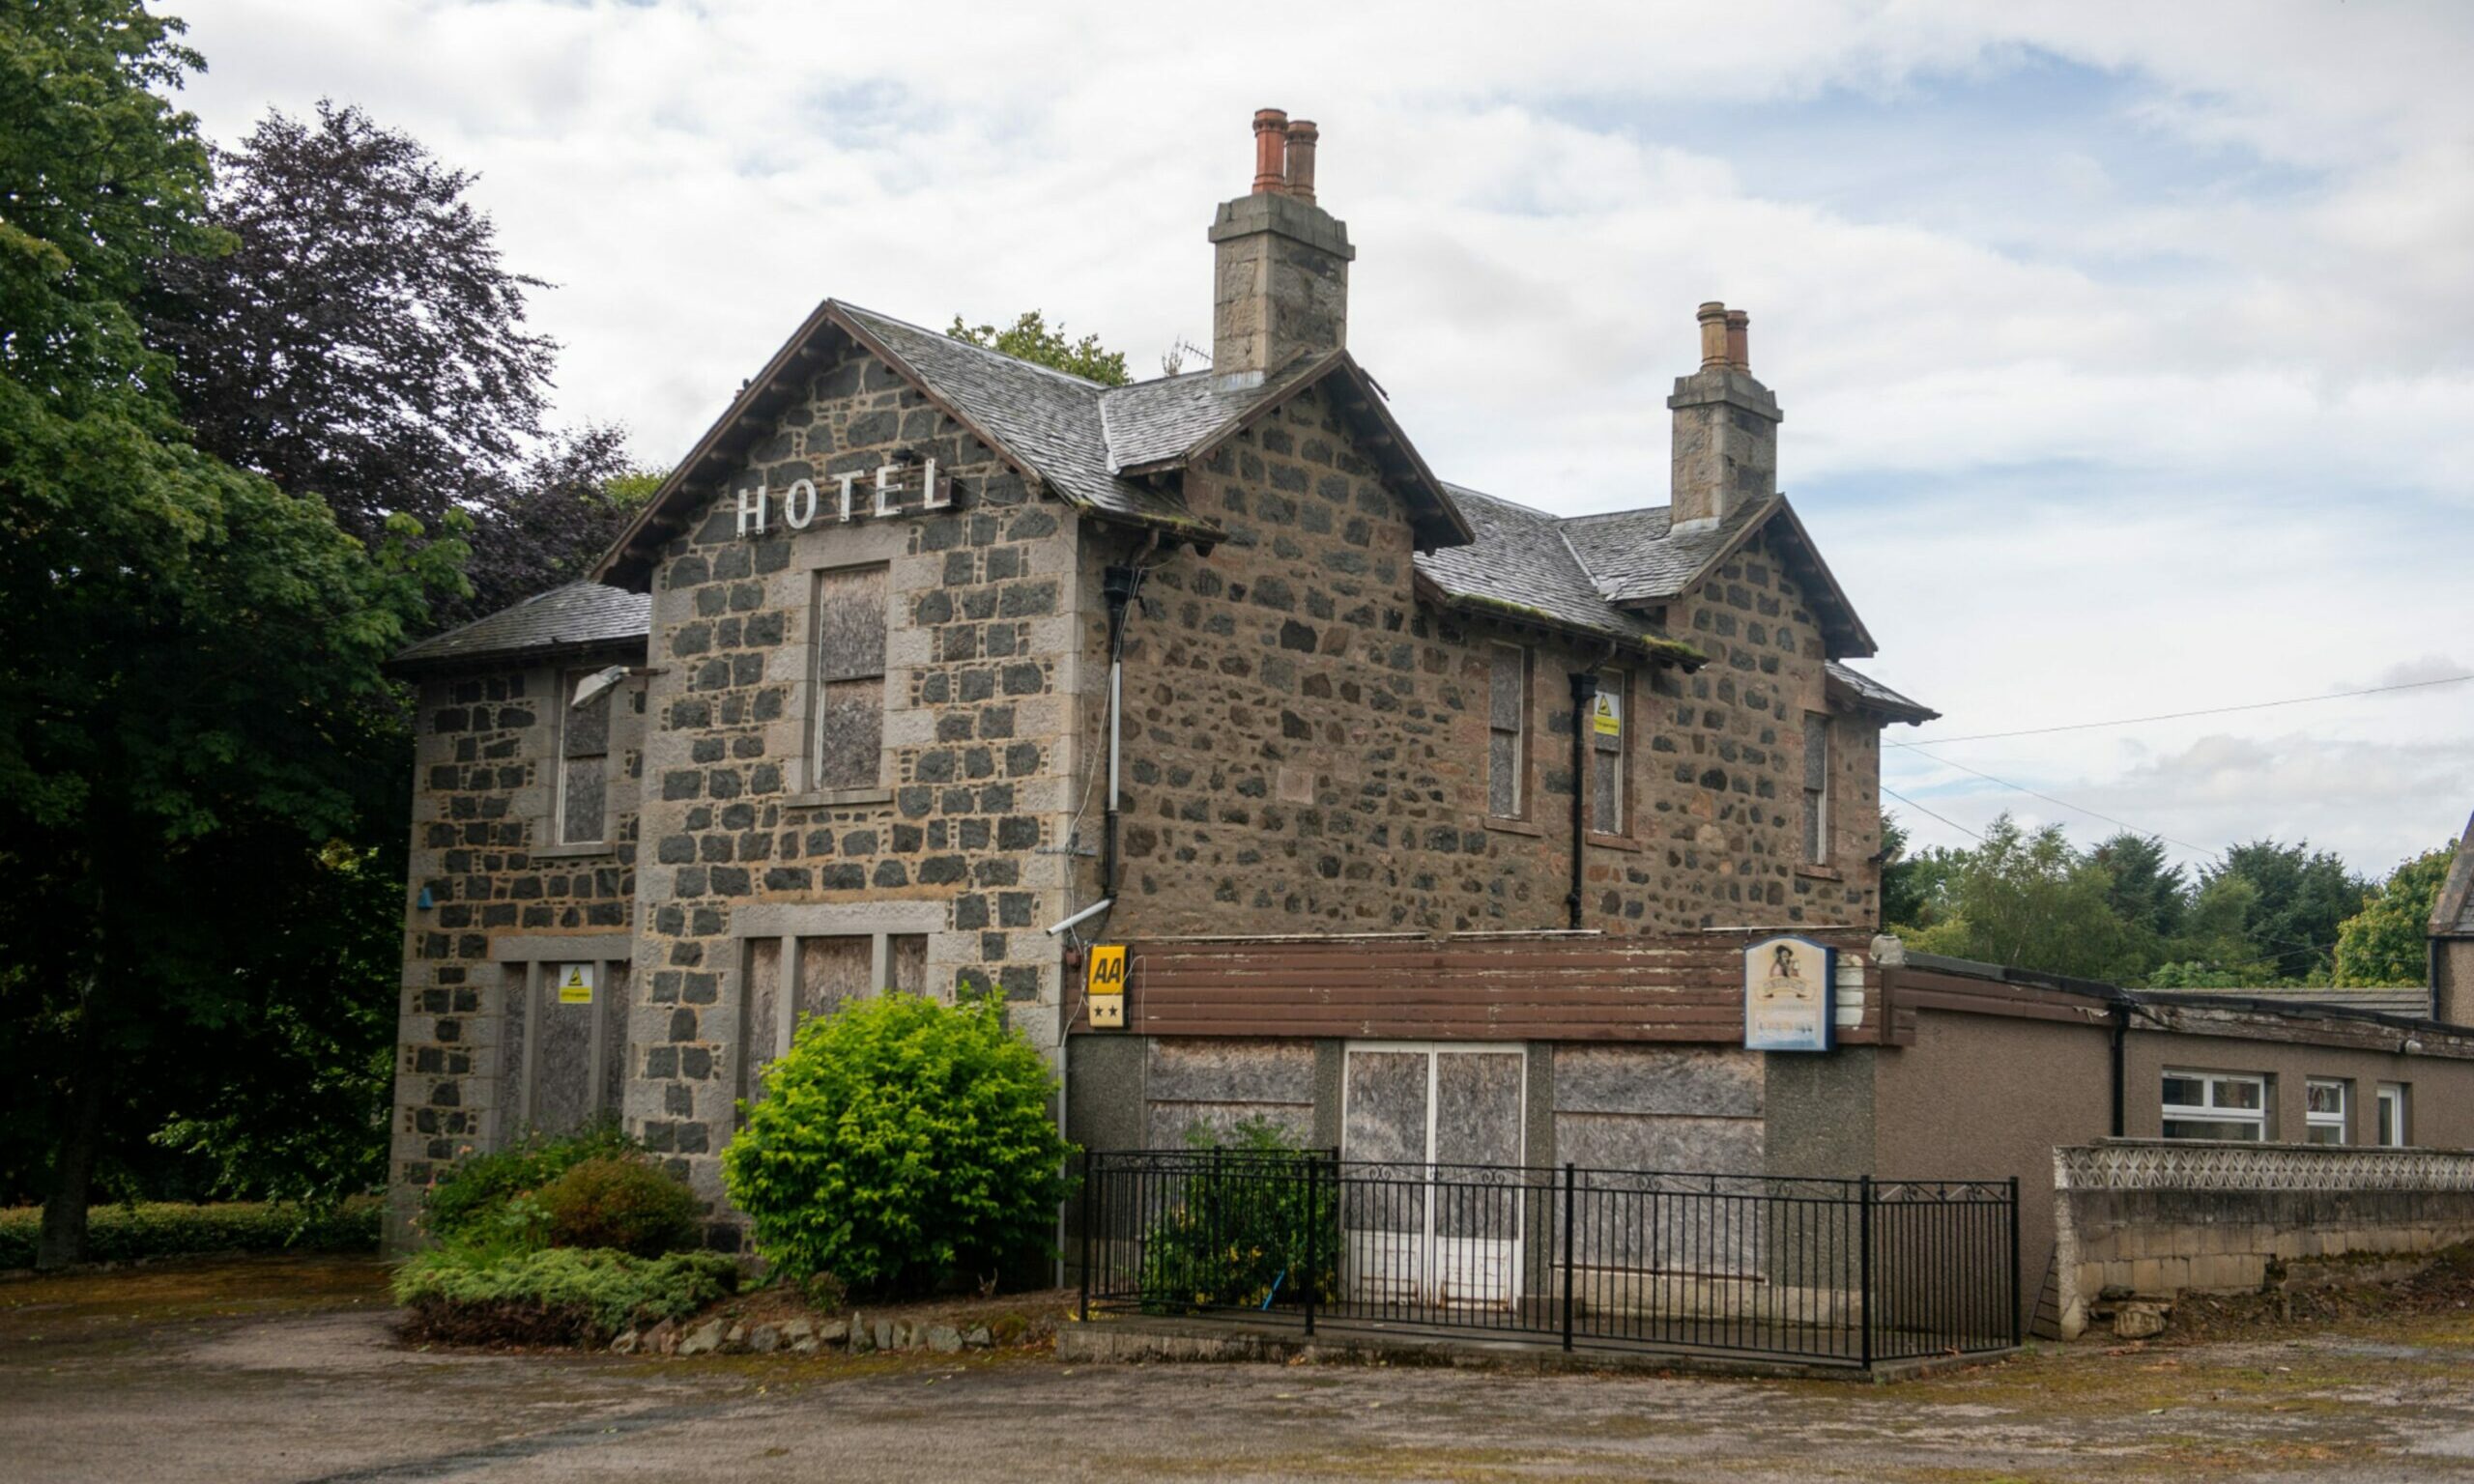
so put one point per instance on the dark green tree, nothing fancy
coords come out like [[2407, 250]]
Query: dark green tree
[[2303, 897], [1029, 338], [365, 343], [192, 707], [2147, 893], [1915, 883]]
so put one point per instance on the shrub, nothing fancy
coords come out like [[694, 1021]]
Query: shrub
[[480, 1196], [1246, 1233], [122, 1234], [557, 1296], [899, 1141], [622, 1203]]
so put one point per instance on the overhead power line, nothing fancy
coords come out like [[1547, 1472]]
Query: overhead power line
[[2075, 809], [1929, 815], [2176, 716]]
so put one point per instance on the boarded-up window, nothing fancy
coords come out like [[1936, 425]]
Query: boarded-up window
[[1507, 723], [834, 971], [907, 962], [850, 678], [1816, 786], [1609, 747], [583, 758]]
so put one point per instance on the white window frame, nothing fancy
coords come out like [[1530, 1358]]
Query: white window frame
[[2212, 1111], [2386, 1097], [2314, 1122]]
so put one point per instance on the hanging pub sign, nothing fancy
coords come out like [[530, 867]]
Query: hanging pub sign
[[1790, 994], [895, 489]]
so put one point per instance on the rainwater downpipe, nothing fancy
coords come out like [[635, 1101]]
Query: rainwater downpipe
[[1117, 584], [2121, 1037]]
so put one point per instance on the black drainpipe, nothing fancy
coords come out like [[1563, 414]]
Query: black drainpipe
[[1584, 691], [2121, 1035], [1117, 584]]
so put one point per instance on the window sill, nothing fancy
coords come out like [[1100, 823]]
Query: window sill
[[1820, 873], [1516, 827], [574, 852], [836, 798], [1614, 841]]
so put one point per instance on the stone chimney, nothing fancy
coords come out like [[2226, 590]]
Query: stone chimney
[[1726, 426], [1280, 264]]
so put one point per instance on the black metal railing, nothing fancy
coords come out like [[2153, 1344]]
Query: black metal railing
[[1833, 1272]]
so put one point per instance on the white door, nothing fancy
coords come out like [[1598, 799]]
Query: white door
[[1434, 1204]]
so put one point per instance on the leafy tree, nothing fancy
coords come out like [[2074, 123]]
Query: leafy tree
[[191, 700], [2030, 900], [364, 343], [2388, 941], [1915, 883], [1029, 338]]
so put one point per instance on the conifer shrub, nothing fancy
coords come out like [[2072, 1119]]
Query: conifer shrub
[[901, 1142], [557, 1296]]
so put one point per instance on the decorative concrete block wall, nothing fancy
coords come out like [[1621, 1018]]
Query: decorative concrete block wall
[[2158, 1218]]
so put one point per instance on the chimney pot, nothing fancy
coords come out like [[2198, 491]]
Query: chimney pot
[[1271, 137], [1713, 334], [1302, 135], [1739, 340]]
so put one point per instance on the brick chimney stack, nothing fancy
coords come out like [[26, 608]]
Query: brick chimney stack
[[1726, 425], [1280, 263]]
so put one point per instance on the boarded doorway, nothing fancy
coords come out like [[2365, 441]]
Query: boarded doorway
[[564, 1055], [1439, 1220]]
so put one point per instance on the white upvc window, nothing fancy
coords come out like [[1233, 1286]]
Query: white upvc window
[[2216, 1105], [2392, 1132], [2324, 1110]]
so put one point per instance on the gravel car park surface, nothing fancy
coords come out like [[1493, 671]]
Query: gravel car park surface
[[289, 1370]]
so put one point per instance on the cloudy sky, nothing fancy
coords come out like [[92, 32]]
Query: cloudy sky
[[2127, 351]]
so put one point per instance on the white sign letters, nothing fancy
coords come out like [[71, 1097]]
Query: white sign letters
[[935, 492]]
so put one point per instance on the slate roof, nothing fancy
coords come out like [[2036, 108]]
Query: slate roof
[[1046, 419], [1154, 422], [1638, 556], [1865, 691], [580, 615], [1520, 566]]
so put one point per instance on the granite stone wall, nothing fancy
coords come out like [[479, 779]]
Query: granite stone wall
[[1307, 741], [482, 848], [983, 661]]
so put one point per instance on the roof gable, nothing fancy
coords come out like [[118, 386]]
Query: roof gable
[[2453, 910], [1042, 422], [1176, 423]]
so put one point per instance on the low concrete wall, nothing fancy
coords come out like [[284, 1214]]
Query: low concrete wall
[[2157, 1217]]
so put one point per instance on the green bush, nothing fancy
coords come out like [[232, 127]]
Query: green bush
[[486, 1198], [1260, 1228], [557, 1295], [898, 1143], [621, 1203], [121, 1233]]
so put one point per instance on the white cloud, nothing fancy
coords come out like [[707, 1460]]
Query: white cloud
[[2102, 429]]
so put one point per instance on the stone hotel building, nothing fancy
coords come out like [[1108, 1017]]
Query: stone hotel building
[[1411, 797]]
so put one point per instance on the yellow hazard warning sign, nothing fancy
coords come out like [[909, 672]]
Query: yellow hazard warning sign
[[575, 985], [1609, 716]]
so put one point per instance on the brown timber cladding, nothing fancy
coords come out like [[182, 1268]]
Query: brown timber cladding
[[1685, 988]]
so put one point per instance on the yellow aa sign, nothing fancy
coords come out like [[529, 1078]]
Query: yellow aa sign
[[1106, 985], [575, 987]]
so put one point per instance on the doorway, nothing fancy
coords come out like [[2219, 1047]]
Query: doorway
[[1435, 1203]]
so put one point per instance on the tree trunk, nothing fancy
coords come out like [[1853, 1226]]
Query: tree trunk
[[72, 1171]]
